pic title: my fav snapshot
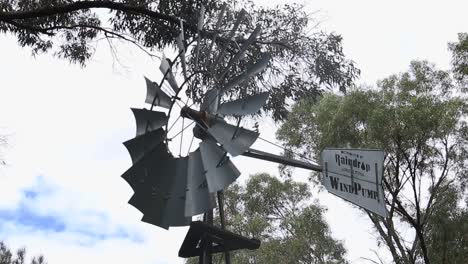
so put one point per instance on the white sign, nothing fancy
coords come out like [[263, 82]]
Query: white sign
[[356, 176]]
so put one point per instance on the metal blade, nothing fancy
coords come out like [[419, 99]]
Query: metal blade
[[235, 140], [181, 45], [201, 20], [152, 91], [254, 69], [148, 167], [245, 106], [171, 213], [239, 19], [145, 202], [165, 67], [141, 145], [198, 198], [147, 120], [216, 30], [242, 50], [220, 171], [210, 101], [162, 197], [155, 210]]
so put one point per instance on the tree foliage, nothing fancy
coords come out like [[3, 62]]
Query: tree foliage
[[279, 213], [7, 257], [460, 59], [304, 60], [447, 228], [419, 119]]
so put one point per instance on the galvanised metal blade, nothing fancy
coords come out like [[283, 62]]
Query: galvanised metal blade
[[210, 101], [172, 211], [155, 95], [242, 50], [145, 201], [245, 106], [253, 70], [148, 168], [235, 140], [220, 171], [216, 31], [201, 19], [165, 69], [181, 45], [239, 19], [198, 198], [147, 120], [140, 146]]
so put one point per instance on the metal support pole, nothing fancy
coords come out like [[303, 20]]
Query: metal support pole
[[206, 257], [227, 256]]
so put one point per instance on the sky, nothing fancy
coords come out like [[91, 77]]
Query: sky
[[61, 191]]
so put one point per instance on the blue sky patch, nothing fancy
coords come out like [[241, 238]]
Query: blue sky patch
[[24, 216], [30, 194]]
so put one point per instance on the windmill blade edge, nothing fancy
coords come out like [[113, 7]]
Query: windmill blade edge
[[141, 145], [147, 120], [251, 71], [235, 140], [198, 198], [156, 96], [245, 106], [220, 171]]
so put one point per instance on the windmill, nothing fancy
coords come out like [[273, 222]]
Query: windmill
[[170, 189]]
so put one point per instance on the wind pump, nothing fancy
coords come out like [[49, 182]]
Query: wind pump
[[170, 189]]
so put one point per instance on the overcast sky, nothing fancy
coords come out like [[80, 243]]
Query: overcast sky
[[61, 191]]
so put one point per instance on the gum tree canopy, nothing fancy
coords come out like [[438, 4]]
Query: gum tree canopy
[[303, 62], [459, 51]]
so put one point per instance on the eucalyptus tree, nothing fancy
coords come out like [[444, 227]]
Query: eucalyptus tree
[[8, 257], [459, 51], [279, 213], [419, 119], [304, 59]]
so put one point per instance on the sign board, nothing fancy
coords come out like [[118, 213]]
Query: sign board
[[356, 176]]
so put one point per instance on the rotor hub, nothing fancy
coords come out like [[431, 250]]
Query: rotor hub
[[203, 120]]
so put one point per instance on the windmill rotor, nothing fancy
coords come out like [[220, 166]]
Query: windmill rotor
[[168, 188]]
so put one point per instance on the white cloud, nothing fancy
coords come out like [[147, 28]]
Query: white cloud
[[54, 222], [68, 125]]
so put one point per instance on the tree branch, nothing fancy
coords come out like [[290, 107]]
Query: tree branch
[[385, 236], [26, 27], [83, 5], [140, 10], [106, 31]]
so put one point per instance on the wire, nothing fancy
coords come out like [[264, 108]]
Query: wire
[[181, 138], [181, 131], [173, 123], [190, 147]]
